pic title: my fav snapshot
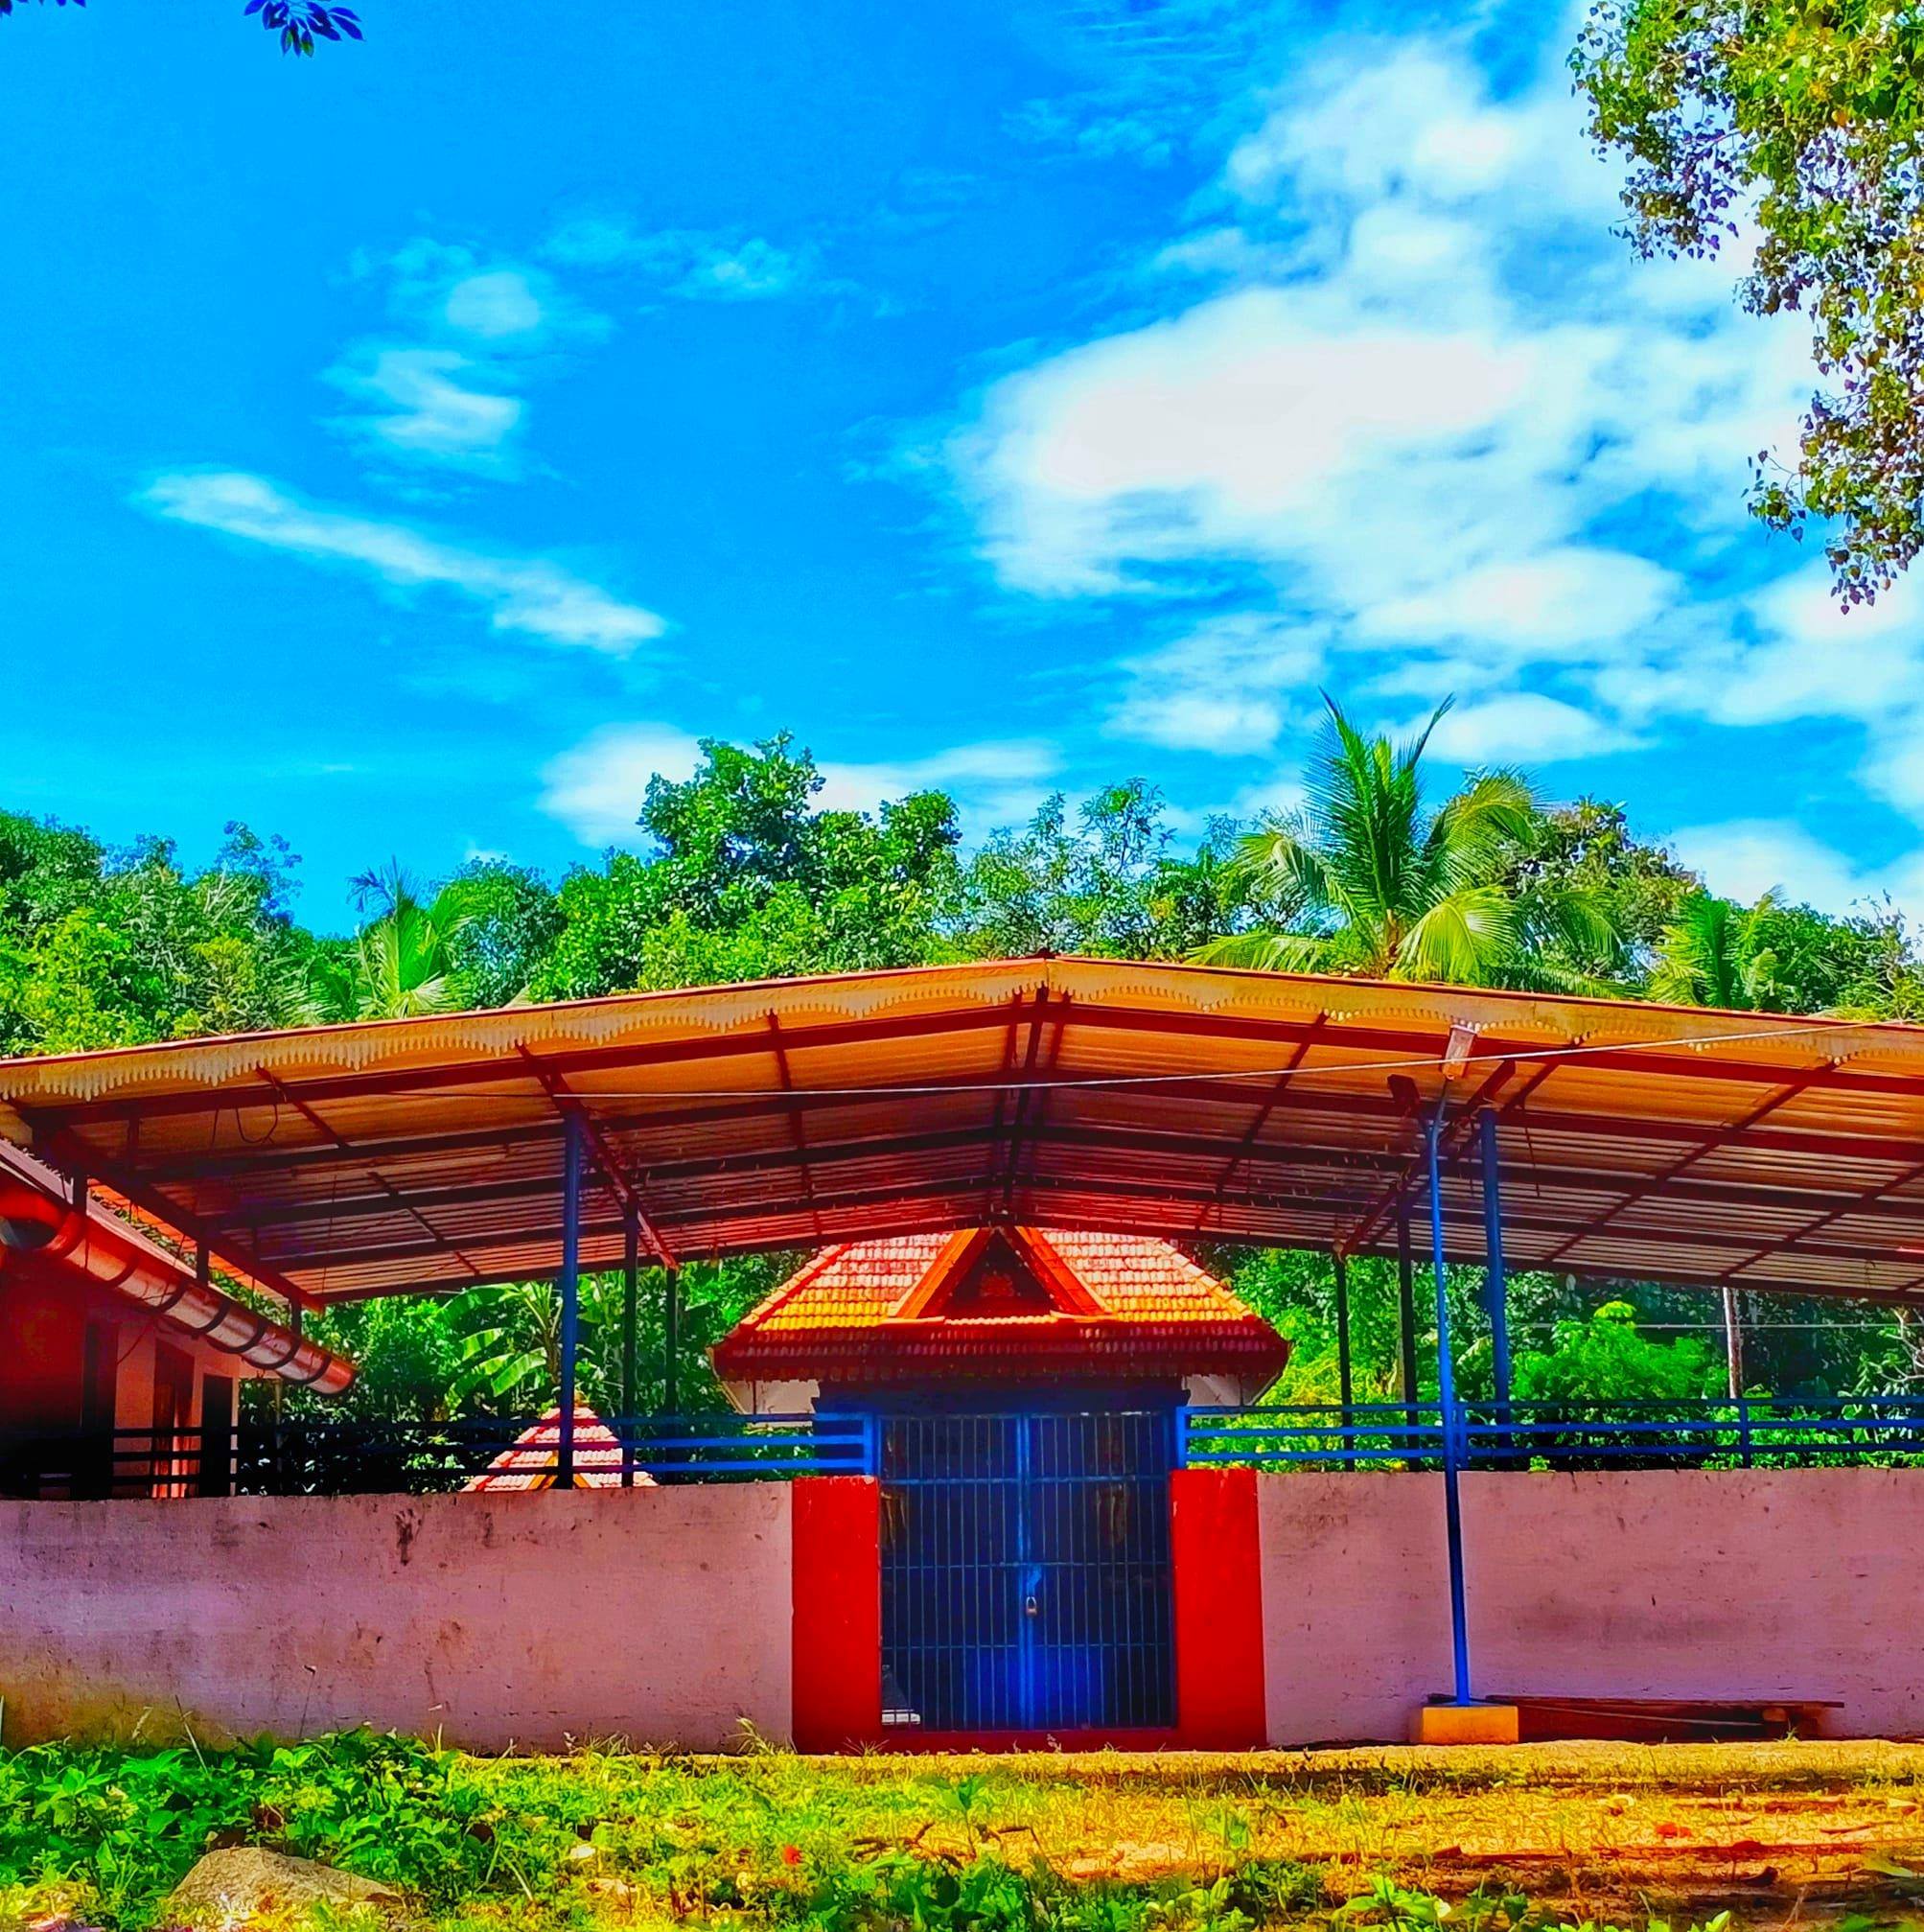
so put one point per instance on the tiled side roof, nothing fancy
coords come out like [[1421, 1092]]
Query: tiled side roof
[[528, 1462], [1155, 1312]]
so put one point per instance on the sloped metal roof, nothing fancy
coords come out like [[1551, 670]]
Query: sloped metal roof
[[1181, 1101]]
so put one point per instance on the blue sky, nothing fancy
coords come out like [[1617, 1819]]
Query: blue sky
[[412, 448]]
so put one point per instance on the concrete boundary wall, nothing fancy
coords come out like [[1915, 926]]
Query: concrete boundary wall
[[662, 1615], [1668, 1583]]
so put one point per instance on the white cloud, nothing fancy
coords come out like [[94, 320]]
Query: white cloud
[[702, 264], [1745, 858], [431, 410], [1224, 687], [497, 303], [1560, 598], [1524, 728], [596, 788], [1437, 411], [991, 783], [478, 331], [526, 595]]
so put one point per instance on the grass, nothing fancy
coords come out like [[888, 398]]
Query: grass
[[1532, 1836]]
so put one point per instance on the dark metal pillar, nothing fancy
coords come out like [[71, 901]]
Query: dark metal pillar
[[1339, 1267], [570, 1296], [1452, 1448], [1496, 1288], [631, 1273], [1406, 1302]]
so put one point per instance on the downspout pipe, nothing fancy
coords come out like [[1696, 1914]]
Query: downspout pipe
[[93, 1245]]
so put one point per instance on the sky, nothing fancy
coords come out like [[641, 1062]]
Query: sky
[[411, 450]]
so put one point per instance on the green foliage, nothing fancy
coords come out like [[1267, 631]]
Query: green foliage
[[1370, 881], [1588, 849], [748, 880], [101, 948], [1604, 1358], [130, 1826], [1802, 118], [402, 963], [1109, 884], [768, 1843]]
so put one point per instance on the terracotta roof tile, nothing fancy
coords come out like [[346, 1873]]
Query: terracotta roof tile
[[527, 1463], [1147, 1309]]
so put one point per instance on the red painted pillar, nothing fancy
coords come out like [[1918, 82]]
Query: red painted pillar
[[1217, 1559], [837, 1667]]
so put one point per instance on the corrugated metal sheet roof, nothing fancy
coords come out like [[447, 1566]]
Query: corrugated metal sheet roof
[[1134, 1098]]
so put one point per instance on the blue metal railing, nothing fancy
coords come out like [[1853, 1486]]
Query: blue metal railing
[[351, 1457], [1756, 1432], [356, 1457]]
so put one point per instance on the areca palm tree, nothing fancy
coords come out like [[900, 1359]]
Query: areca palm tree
[[1715, 954], [1368, 880], [401, 962]]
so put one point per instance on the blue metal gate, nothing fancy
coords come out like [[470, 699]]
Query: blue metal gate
[[1026, 1581]]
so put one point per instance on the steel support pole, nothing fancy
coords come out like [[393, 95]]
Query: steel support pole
[[1495, 1285], [1497, 1282], [570, 1296], [1405, 1304], [1453, 1420], [631, 1273], [1339, 1268]]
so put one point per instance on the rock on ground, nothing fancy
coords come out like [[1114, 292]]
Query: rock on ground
[[231, 1886]]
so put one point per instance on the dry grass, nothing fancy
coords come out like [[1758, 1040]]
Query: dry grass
[[1768, 1832]]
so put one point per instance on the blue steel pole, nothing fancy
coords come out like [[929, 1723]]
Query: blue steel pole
[[1445, 1393], [570, 1296], [1496, 1289]]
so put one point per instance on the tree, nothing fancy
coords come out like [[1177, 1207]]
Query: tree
[[1715, 954], [401, 963], [1370, 883], [1107, 884], [101, 948], [1802, 117], [1587, 847], [1778, 958], [300, 23], [1603, 1358], [746, 879]]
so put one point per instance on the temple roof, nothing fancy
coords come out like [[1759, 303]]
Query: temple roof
[[1000, 1304], [528, 1462]]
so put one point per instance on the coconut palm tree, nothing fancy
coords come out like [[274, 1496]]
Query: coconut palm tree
[[1369, 881], [401, 963], [1714, 954]]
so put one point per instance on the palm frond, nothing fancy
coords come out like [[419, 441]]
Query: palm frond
[[1269, 952], [1463, 938]]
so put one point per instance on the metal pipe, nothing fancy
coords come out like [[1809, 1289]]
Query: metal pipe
[[1446, 1392], [571, 1297], [1406, 1302], [631, 1269], [1339, 1267], [1495, 1279]]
